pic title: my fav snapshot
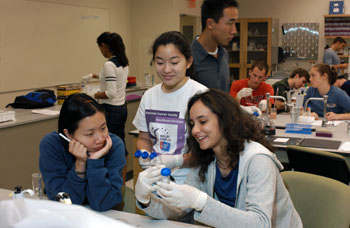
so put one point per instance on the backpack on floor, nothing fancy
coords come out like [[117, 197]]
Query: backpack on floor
[[40, 98]]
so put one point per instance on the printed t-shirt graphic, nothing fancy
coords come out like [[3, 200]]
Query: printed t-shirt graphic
[[167, 131]]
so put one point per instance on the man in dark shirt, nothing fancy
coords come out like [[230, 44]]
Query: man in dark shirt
[[219, 19], [297, 79]]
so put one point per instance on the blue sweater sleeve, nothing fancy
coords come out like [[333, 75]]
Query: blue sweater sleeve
[[104, 177], [58, 171]]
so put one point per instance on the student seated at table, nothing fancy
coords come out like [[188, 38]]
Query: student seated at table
[[252, 90], [297, 79], [234, 180], [89, 167], [322, 77]]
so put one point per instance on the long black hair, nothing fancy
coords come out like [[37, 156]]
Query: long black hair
[[235, 124], [179, 41], [115, 44]]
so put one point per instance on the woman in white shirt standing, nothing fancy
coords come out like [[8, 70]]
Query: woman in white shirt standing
[[113, 79]]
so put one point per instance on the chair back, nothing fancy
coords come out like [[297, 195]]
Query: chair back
[[320, 201], [319, 162]]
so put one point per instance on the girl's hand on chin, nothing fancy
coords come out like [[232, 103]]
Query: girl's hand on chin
[[102, 152], [78, 150]]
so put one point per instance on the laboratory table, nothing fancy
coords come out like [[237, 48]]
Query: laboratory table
[[338, 131], [331, 144]]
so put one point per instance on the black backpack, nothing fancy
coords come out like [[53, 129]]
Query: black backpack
[[40, 98]]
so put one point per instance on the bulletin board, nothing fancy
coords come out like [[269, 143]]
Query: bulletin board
[[44, 44]]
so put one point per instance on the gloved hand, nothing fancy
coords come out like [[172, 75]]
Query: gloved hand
[[263, 105], [144, 187], [145, 163], [182, 196], [245, 92], [251, 109], [170, 161]]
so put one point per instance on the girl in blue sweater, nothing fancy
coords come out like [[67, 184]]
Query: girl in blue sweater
[[89, 166], [322, 77]]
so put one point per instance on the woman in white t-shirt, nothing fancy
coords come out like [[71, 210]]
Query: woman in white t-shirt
[[160, 116], [113, 77]]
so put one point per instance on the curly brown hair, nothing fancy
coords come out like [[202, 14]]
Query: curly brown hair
[[235, 124]]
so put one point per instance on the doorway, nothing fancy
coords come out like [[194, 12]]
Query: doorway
[[189, 26]]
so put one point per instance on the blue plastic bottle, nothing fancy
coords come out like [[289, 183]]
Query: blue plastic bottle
[[153, 155], [165, 172], [144, 154], [138, 153]]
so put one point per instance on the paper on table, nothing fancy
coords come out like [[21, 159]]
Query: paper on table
[[345, 146], [333, 123], [7, 116], [317, 123], [282, 140], [46, 112]]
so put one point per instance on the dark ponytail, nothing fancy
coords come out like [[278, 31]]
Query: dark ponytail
[[115, 44], [334, 76]]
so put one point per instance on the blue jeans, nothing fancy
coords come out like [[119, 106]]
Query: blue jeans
[[116, 116]]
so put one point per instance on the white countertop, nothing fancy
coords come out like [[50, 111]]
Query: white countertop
[[25, 116]]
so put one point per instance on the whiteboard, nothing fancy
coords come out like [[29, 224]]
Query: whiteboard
[[47, 44]]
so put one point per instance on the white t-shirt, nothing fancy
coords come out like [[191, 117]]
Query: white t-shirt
[[113, 83], [162, 115]]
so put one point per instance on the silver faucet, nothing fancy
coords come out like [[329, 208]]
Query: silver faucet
[[289, 96], [325, 100], [279, 97]]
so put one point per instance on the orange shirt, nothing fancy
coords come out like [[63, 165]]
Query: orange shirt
[[257, 95]]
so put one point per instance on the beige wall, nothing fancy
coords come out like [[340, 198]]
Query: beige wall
[[119, 21], [139, 22], [149, 19], [289, 11]]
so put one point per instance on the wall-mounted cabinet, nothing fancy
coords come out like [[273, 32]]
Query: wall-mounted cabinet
[[337, 25], [253, 41]]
